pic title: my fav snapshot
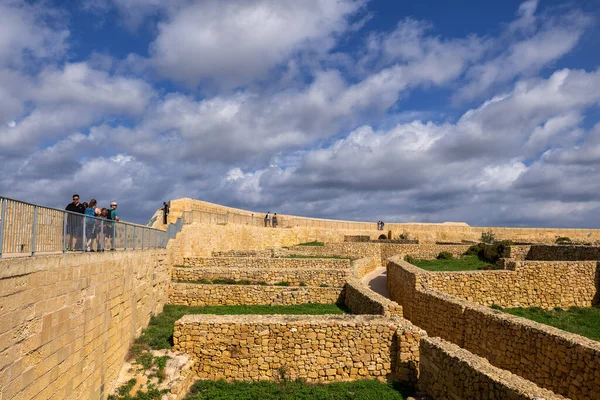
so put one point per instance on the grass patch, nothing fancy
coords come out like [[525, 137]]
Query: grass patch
[[297, 390], [159, 334], [303, 256], [584, 321], [315, 243], [464, 263]]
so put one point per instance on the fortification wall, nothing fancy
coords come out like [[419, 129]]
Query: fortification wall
[[449, 372], [67, 320], [334, 277], [314, 348], [545, 284], [565, 363], [191, 294], [258, 262]]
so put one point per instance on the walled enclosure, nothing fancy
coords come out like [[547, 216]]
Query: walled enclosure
[[67, 320], [314, 348], [565, 363]]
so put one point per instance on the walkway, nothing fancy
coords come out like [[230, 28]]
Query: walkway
[[377, 281]]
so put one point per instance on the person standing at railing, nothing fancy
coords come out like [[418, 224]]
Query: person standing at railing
[[111, 231], [274, 223], [90, 224], [268, 219], [74, 223]]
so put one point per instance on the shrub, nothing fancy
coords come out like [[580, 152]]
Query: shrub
[[475, 250], [445, 255], [404, 236], [409, 259], [283, 283], [488, 237], [563, 240]]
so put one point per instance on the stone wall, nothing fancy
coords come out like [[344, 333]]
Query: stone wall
[[563, 253], [545, 284], [67, 320], [565, 363], [191, 294], [273, 263], [334, 277], [449, 372], [360, 299], [313, 348]]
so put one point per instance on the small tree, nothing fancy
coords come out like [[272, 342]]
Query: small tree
[[488, 237]]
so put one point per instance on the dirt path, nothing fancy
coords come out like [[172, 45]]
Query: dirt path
[[377, 281]]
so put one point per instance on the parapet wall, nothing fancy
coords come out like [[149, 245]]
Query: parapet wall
[[545, 284], [565, 363], [192, 294], [258, 262], [449, 372], [68, 320], [334, 277], [313, 348]]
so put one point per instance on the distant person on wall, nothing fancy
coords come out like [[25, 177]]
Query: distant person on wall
[[381, 224], [268, 219], [111, 233], [101, 228], [90, 223], [165, 212], [378, 224], [274, 222], [74, 223]]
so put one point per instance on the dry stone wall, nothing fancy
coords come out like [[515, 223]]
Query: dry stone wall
[[272, 263], [334, 277], [545, 284], [191, 294], [449, 372], [563, 253], [565, 363], [313, 348], [66, 321]]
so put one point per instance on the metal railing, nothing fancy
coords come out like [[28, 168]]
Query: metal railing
[[29, 229]]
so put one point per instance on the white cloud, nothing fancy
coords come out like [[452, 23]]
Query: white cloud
[[236, 42]]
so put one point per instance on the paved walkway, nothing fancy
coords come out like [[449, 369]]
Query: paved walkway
[[377, 281]]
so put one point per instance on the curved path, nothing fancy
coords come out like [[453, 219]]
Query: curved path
[[377, 281]]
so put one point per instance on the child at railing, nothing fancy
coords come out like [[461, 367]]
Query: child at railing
[[90, 223]]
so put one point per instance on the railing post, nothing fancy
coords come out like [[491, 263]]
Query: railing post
[[34, 229], [134, 237], [143, 238], [2, 216], [113, 239], [84, 234], [64, 232], [125, 238]]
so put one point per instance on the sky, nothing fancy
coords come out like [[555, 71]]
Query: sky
[[403, 111]]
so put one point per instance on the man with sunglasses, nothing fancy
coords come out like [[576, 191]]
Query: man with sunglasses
[[75, 224]]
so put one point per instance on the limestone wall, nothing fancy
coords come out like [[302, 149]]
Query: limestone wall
[[334, 277], [565, 363], [449, 372], [545, 284], [66, 321], [191, 294], [273, 263], [360, 299], [563, 253], [314, 348]]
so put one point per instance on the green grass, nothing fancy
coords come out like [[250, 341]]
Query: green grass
[[297, 390], [584, 321], [465, 263], [159, 334], [315, 243]]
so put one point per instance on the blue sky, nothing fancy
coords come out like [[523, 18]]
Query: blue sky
[[483, 112]]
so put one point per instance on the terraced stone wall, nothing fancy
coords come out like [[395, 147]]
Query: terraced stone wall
[[449, 372], [332, 277], [259, 262], [565, 363], [192, 294], [67, 321], [314, 348]]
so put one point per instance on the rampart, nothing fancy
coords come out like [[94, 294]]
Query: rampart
[[565, 363], [192, 294], [449, 372], [67, 320], [313, 348]]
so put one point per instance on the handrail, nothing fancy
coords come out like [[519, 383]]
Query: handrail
[[30, 229]]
